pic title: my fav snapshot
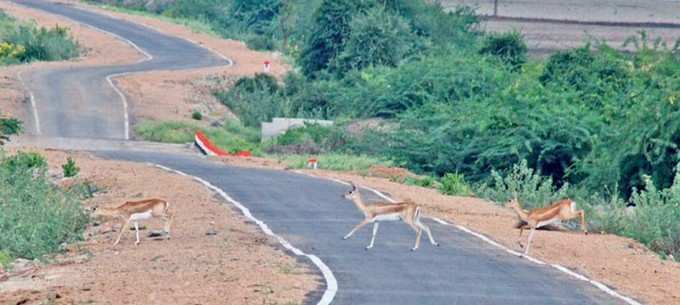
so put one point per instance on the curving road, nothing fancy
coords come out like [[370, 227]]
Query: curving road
[[80, 102], [307, 212]]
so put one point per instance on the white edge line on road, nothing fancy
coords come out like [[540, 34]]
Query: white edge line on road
[[34, 107], [331, 282], [578, 276]]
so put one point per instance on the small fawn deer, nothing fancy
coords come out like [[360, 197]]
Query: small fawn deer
[[134, 211], [564, 209], [407, 211]]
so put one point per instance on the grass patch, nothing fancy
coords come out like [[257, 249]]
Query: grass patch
[[332, 161], [232, 137]]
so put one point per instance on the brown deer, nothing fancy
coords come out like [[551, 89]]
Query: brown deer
[[406, 211], [134, 211]]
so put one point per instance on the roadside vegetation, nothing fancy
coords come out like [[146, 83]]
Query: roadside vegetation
[[22, 42], [36, 216], [469, 109]]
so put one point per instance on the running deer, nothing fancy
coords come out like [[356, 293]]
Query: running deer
[[407, 211], [134, 211], [564, 209]]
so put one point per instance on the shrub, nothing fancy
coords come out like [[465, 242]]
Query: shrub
[[656, 220], [509, 47], [376, 39], [532, 189], [23, 42], [70, 168], [329, 34], [455, 185], [36, 218], [197, 115]]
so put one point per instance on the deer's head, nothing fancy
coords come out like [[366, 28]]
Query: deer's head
[[352, 194]]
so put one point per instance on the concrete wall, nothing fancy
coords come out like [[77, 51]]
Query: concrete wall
[[279, 125]]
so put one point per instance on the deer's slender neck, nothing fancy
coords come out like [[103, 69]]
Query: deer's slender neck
[[521, 213], [360, 203]]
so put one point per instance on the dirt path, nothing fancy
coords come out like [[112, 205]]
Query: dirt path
[[236, 265]]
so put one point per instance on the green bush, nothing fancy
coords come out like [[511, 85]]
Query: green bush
[[36, 218], [509, 47], [197, 115], [376, 39], [532, 189], [455, 185], [70, 168], [328, 35], [22, 42]]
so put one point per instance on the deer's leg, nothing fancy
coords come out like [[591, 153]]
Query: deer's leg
[[375, 232], [584, 226], [419, 232], [428, 231], [137, 233], [361, 224], [167, 217], [519, 238], [531, 236], [122, 229]]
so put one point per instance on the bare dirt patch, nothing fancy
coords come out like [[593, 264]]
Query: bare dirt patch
[[97, 49], [233, 264], [174, 96]]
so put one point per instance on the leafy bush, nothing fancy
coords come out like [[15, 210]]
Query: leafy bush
[[455, 184], [376, 39], [36, 217], [197, 115], [509, 47], [8, 127], [70, 168], [656, 218], [21, 42], [532, 189], [330, 31]]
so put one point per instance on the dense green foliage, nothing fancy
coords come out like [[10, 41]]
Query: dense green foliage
[[36, 217], [509, 47], [23, 42], [70, 169]]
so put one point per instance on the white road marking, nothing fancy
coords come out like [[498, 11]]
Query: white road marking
[[34, 107], [331, 282], [578, 276]]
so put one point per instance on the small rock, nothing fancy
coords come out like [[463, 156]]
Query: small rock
[[20, 265], [211, 232], [156, 233]]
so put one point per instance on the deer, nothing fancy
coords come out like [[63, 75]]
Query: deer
[[407, 211], [558, 211], [134, 211]]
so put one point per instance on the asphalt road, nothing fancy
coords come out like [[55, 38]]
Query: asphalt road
[[310, 213], [79, 102]]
